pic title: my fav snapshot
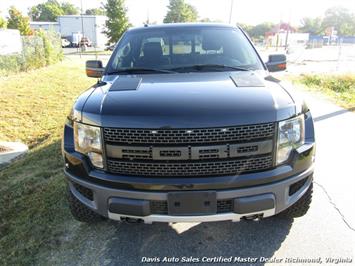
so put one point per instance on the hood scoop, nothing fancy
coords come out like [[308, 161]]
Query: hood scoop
[[126, 84], [247, 79]]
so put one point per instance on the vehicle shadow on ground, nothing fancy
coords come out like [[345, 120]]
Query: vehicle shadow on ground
[[245, 239], [333, 114]]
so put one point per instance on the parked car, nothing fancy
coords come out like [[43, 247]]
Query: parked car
[[110, 47], [85, 41], [195, 131], [65, 43]]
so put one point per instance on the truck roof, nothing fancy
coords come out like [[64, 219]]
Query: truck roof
[[180, 26]]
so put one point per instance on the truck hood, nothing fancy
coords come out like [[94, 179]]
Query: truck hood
[[188, 100]]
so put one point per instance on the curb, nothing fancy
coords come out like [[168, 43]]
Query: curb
[[9, 151]]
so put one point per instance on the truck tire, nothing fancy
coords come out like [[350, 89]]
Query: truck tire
[[301, 207], [80, 212]]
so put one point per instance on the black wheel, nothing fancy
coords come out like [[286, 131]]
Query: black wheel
[[80, 212], [301, 207]]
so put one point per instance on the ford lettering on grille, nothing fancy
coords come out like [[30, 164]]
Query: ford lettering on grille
[[189, 152], [167, 152]]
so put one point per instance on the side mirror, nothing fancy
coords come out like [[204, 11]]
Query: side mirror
[[277, 62], [94, 68]]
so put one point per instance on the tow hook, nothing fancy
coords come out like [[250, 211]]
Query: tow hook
[[255, 217], [131, 220]]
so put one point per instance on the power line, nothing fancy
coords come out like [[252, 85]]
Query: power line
[[231, 11]]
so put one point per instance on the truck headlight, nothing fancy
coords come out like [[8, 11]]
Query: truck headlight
[[291, 136], [88, 141]]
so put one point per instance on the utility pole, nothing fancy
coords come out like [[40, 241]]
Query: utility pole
[[286, 38], [82, 20], [147, 22], [81, 47], [288, 30], [231, 11], [278, 34]]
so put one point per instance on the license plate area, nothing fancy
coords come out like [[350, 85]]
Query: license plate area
[[192, 203]]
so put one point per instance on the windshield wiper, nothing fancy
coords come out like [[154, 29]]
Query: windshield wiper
[[139, 70], [209, 66]]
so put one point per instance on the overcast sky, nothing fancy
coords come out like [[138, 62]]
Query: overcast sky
[[244, 11]]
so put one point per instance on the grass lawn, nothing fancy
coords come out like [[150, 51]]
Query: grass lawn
[[339, 88], [33, 209]]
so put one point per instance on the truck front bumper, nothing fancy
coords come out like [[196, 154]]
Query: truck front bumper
[[257, 201]]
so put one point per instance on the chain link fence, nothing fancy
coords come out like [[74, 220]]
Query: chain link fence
[[42, 49]]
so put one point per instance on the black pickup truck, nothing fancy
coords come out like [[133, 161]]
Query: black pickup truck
[[186, 124]]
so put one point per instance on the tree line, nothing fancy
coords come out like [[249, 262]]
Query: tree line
[[117, 23], [47, 11], [115, 10], [50, 10]]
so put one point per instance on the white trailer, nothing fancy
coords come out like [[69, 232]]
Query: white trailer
[[91, 27]]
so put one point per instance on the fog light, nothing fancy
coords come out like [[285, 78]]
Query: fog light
[[96, 159]]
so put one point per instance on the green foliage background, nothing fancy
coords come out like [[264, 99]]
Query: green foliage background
[[117, 22], [340, 88], [50, 10], [39, 50], [179, 11], [3, 23], [18, 21]]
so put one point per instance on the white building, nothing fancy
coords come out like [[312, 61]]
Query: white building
[[91, 27], [293, 39], [71, 26], [37, 25]]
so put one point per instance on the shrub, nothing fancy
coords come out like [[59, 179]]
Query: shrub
[[312, 80], [9, 63], [33, 55], [42, 49], [342, 83], [52, 46], [339, 87]]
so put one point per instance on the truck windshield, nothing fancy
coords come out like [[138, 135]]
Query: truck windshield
[[183, 50]]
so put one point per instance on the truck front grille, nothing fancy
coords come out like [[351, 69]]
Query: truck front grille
[[189, 152], [187, 136], [200, 168]]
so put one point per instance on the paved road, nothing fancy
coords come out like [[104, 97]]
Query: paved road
[[329, 59], [327, 231], [335, 166]]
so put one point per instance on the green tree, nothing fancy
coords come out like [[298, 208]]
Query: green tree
[[50, 10], [246, 27], [208, 20], [117, 22], [341, 19], [179, 11], [69, 9], [258, 31], [3, 23], [17, 21], [311, 25], [95, 11], [205, 20]]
